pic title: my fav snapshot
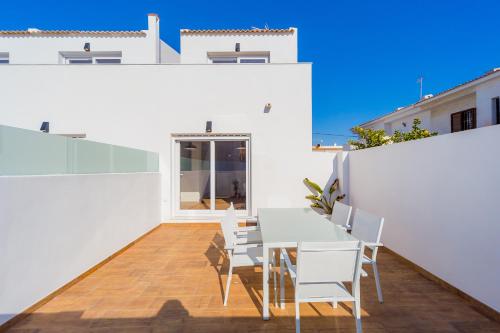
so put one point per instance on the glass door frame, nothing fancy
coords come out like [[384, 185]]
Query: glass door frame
[[177, 212]]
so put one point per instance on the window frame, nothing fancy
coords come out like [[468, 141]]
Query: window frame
[[495, 108], [239, 58], [463, 121]]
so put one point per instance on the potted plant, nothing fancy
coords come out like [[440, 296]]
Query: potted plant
[[323, 201]]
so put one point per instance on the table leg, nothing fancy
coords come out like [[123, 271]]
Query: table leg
[[265, 284]]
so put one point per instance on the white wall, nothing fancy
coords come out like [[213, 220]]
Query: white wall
[[71, 223], [140, 106], [397, 125], [439, 197], [282, 46], [441, 114], [484, 94], [43, 49]]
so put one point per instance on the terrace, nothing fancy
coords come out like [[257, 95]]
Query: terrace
[[173, 278], [90, 253]]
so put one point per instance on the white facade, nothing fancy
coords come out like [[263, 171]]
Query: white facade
[[143, 106], [276, 45], [435, 113], [34, 46], [159, 108]]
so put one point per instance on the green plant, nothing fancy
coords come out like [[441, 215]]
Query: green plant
[[368, 138], [415, 133], [319, 199]]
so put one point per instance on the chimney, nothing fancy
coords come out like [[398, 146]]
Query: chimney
[[154, 34]]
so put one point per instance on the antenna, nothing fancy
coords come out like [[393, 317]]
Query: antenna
[[421, 81], [266, 27]]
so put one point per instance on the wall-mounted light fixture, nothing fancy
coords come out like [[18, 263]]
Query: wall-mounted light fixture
[[190, 146], [45, 127], [237, 47], [267, 108], [208, 127], [86, 47]]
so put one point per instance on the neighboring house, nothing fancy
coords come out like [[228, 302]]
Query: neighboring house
[[35, 46], [219, 119], [472, 104]]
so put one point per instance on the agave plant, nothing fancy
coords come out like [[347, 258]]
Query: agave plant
[[323, 200]]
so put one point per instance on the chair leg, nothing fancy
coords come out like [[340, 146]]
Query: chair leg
[[282, 281], [275, 288], [357, 315], [297, 316], [228, 284], [273, 269], [377, 283]]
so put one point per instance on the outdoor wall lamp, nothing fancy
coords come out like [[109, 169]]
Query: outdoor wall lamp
[[86, 47], [267, 108], [237, 47], [45, 127], [190, 146], [208, 127]]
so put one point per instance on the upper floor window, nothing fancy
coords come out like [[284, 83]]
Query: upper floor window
[[463, 120], [495, 104], [239, 60], [81, 58], [238, 57], [4, 58]]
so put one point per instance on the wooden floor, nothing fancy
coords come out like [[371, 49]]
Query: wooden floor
[[220, 204], [170, 282]]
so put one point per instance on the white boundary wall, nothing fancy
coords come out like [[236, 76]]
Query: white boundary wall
[[440, 198], [54, 228]]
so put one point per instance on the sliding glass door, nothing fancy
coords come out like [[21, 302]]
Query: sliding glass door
[[211, 174]]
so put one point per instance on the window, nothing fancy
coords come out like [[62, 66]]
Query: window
[[253, 60], [224, 60], [495, 103], [108, 61], [463, 120], [79, 61], [239, 60], [86, 58], [4, 58]]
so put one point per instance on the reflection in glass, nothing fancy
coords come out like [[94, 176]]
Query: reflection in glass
[[230, 174], [195, 175]]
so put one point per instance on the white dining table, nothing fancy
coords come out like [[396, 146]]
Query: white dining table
[[286, 228]]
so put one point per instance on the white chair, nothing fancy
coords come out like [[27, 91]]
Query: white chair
[[243, 234], [368, 228], [242, 254], [341, 215], [320, 273]]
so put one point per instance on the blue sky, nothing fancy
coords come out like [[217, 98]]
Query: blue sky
[[367, 55]]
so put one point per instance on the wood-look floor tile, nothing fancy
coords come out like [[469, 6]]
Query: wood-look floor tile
[[173, 280]]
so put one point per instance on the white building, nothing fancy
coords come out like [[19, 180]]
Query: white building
[[35, 46], [225, 132], [473, 104], [239, 46]]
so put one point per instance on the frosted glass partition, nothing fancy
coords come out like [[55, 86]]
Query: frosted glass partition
[[25, 152]]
